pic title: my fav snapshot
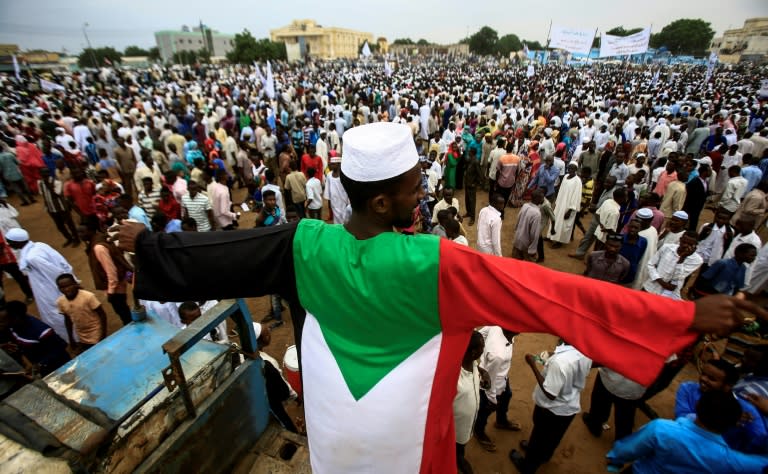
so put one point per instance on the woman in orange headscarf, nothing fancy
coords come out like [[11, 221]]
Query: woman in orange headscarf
[[30, 161]]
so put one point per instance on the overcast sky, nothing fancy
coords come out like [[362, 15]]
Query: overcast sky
[[57, 24]]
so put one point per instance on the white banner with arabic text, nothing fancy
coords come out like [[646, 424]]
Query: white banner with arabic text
[[574, 40], [611, 45]]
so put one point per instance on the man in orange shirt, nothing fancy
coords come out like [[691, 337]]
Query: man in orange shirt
[[82, 313]]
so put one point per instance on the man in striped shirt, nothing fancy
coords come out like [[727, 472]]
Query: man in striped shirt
[[149, 196], [196, 205]]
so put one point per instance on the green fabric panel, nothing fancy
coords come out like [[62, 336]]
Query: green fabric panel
[[371, 320]]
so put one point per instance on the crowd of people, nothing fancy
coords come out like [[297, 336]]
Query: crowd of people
[[638, 155]]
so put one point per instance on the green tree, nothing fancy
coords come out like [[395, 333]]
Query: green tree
[[484, 41], [87, 57], [685, 36], [534, 45], [248, 49], [154, 54], [403, 41], [508, 44], [423, 42], [135, 51]]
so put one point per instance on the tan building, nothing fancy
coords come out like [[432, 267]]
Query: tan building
[[322, 42], [383, 45], [748, 43], [457, 49]]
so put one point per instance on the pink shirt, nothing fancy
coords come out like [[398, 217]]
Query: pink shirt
[[221, 204]]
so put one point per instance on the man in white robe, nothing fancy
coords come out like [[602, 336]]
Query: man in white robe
[[334, 191], [566, 207], [645, 216], [43, 265]]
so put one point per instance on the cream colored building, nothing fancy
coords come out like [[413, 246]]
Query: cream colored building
[[748, 43], [322, 42]]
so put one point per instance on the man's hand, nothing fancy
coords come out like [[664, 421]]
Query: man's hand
[[127, 232], [568, 213], [720, 314], [530, 359]]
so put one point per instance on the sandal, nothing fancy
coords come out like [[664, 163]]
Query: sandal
[[488, 445]]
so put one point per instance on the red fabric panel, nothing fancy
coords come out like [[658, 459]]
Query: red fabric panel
[[439, 451], [629, 331]]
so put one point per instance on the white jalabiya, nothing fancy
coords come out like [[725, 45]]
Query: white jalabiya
[[568, 198], [652, 236], [43, 265], [337, 197]]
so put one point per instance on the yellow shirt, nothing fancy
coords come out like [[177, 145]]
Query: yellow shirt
[[82, 312]]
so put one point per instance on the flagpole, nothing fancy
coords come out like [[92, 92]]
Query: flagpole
[[549, 39]]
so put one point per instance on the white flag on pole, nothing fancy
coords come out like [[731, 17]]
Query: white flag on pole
[[711, 66], [530, 72], [269, 88], [611, 45], [259, 75], [574, 40], [16, 68], [49, 86], [366, 50]]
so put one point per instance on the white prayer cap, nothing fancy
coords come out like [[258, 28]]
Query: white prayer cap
[[378, 151], [257, 329], [681, 215], [705, 161], [645, 213], [17, 234]]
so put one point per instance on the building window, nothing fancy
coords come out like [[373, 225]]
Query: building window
[[189, 41]]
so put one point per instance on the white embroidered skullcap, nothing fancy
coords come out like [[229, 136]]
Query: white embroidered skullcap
[[681, 215], [17, 235], [378, 151], [644, 213]]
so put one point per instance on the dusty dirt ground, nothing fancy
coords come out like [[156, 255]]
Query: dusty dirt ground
[[579, 452]]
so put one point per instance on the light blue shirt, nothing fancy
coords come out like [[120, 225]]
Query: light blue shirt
[[665, 446], [753, 175], [140, 215]]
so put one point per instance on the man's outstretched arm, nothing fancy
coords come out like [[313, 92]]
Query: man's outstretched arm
[[211, 265]]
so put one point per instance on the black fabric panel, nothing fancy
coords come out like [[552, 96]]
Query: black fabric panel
[[198, 266]]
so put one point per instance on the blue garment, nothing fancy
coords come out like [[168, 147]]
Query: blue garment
[[763, 165], [50, 161], [545, 178], [90, 152], [140, 215], [680, 446], [726, 276], [633, 253], [753, 175], [173, 225], [747, 437]]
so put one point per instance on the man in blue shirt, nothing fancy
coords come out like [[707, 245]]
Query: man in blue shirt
[[688, 445], [134, 212], [546, 178], [632, 248], [725, 276], [719, 375], [751, 172]]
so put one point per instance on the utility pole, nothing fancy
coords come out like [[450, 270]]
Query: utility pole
[[90, 48]]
